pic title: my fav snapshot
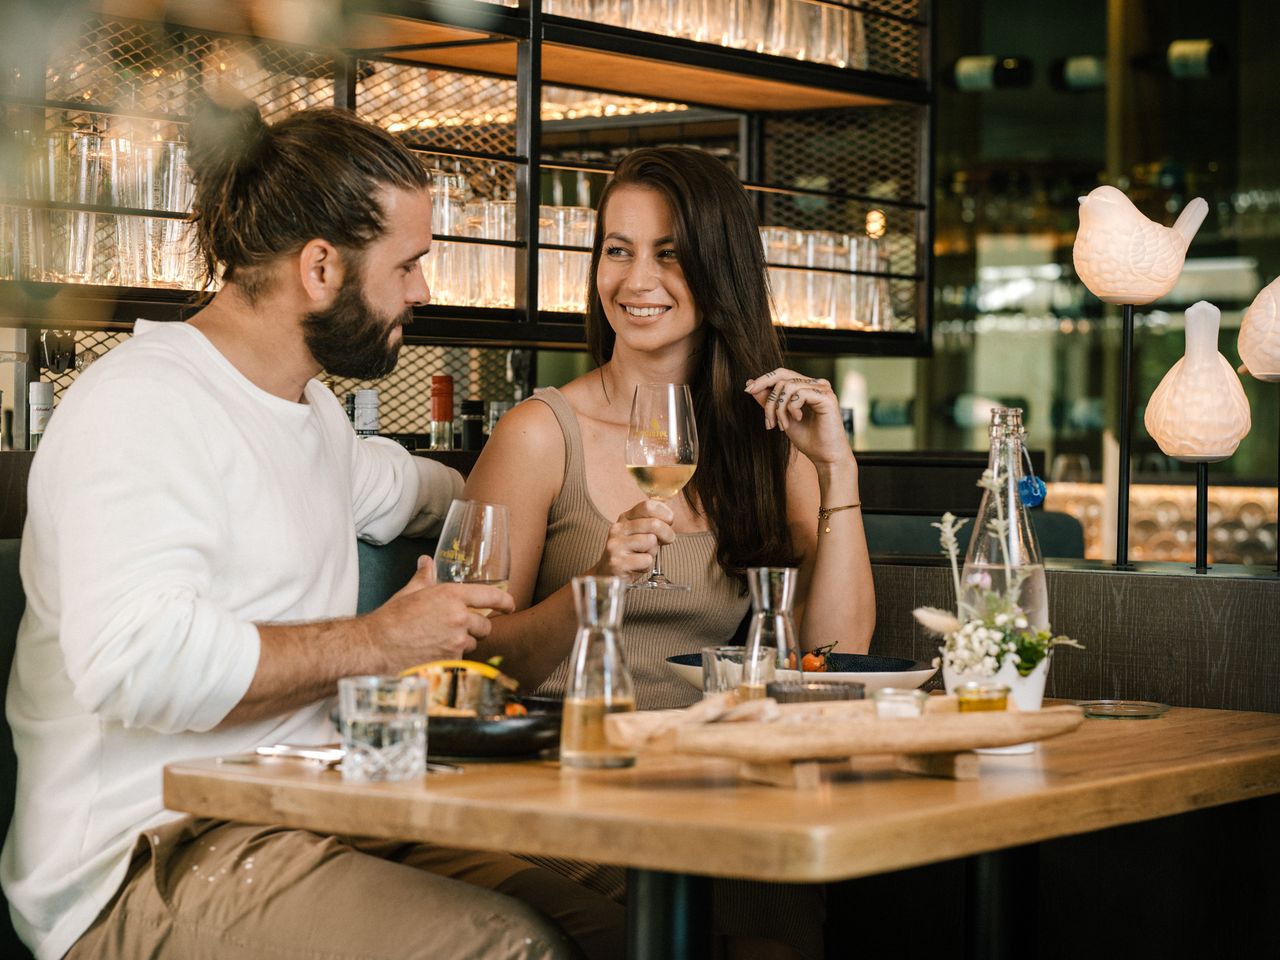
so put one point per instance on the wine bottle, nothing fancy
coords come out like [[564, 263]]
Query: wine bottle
[[1077, 74], [1186, 60], [977, 74]]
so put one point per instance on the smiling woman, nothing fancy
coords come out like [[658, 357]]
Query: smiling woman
[[678, 295]]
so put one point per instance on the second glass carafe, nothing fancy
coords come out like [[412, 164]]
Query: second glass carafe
[[773, 591]]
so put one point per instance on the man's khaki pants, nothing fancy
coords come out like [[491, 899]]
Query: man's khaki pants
[[211, 889]]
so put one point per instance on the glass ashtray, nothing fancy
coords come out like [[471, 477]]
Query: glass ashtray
[[1122, 709]]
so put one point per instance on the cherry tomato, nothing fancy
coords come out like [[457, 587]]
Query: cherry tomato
[[515, 709], [814, 663]]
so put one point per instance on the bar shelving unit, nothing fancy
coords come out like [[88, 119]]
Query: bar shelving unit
[[819, 146]]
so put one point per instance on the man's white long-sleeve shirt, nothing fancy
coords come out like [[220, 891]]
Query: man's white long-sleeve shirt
[[172, 505]]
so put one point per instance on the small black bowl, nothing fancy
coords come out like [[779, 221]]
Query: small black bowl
[[477, 738]]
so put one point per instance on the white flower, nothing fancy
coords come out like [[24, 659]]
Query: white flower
[[1020, 623], [1002, 619]]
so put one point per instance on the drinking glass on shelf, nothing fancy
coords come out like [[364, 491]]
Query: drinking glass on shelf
[[445, 268], [662, 452], [746, 24], [11, 245], [819, 249], [474, 546], [782, 248], [66, 168], [170, 256], [499, 268], [125, 184]]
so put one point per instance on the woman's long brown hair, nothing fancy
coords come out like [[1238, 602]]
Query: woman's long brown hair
[[741, 476]]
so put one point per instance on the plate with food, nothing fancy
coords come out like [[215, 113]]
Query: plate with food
[[871, 671], [475, 713]]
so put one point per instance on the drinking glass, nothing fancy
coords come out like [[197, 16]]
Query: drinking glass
[[11, 245], [744, 671], [662, 452], [819, 250], [498, 273], [167, 186], [445, 268], [125, 185], [66, 168], [783, 248], [384, 727], [474, 546]]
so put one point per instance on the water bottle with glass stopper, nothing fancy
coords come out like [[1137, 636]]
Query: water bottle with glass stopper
[[1003, 561], [600, 683], [773, 592]]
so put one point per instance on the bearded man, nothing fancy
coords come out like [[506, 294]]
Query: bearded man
[[190, 569]]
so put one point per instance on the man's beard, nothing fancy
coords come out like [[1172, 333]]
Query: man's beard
[[350, 339]]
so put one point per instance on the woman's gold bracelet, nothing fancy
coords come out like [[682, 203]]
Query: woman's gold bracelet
[[824, 514]]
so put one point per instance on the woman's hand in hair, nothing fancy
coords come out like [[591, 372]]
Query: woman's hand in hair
[[633, 541], [807, 410]]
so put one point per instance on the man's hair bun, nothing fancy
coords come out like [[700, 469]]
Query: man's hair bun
[[227, 134]]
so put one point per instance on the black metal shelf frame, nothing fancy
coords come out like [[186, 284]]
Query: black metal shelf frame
[[529, 30]]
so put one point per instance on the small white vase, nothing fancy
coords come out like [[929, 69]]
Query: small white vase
[[1027, 693]]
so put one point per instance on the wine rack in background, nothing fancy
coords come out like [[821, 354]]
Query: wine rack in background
[[509, 98]]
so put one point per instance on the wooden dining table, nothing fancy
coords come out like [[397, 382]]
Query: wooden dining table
[[675, 821]]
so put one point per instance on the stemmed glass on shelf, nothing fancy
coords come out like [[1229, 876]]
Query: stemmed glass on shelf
[[662, 452]]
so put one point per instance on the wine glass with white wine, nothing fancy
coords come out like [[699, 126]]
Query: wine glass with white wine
[[474, 546], [662, 452]]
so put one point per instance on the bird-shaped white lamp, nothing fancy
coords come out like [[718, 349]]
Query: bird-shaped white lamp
[[1259, 342], [1199, 413], [1123, 257]]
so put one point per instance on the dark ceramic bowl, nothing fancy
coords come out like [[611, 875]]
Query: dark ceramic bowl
[[473, 738]]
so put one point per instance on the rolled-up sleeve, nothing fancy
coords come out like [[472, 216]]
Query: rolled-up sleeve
[[138, 536], [397, 494]]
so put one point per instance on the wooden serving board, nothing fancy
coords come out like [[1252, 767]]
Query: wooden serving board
[[786, 745], [853, 736]]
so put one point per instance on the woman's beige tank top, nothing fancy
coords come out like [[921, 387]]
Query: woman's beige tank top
[[656, 623]]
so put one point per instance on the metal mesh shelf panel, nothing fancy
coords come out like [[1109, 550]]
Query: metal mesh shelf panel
[[404, 396], [154, 69], [893, 47]]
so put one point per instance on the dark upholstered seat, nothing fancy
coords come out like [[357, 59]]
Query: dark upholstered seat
[[1059, 534]]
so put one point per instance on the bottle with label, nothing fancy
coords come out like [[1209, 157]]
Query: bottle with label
[[1195, 59], [473, 436], [1078, 73], [773, 592], [39, 410], [600, 683], [978, 74], [349, 402], [441, 413], [366, 413], [1003, 559]]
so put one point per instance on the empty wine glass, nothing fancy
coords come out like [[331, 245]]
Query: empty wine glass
[[662, 452], [474, 546]]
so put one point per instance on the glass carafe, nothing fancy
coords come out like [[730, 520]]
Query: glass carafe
[[773, 591], [600, 683], [1003, 565]]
